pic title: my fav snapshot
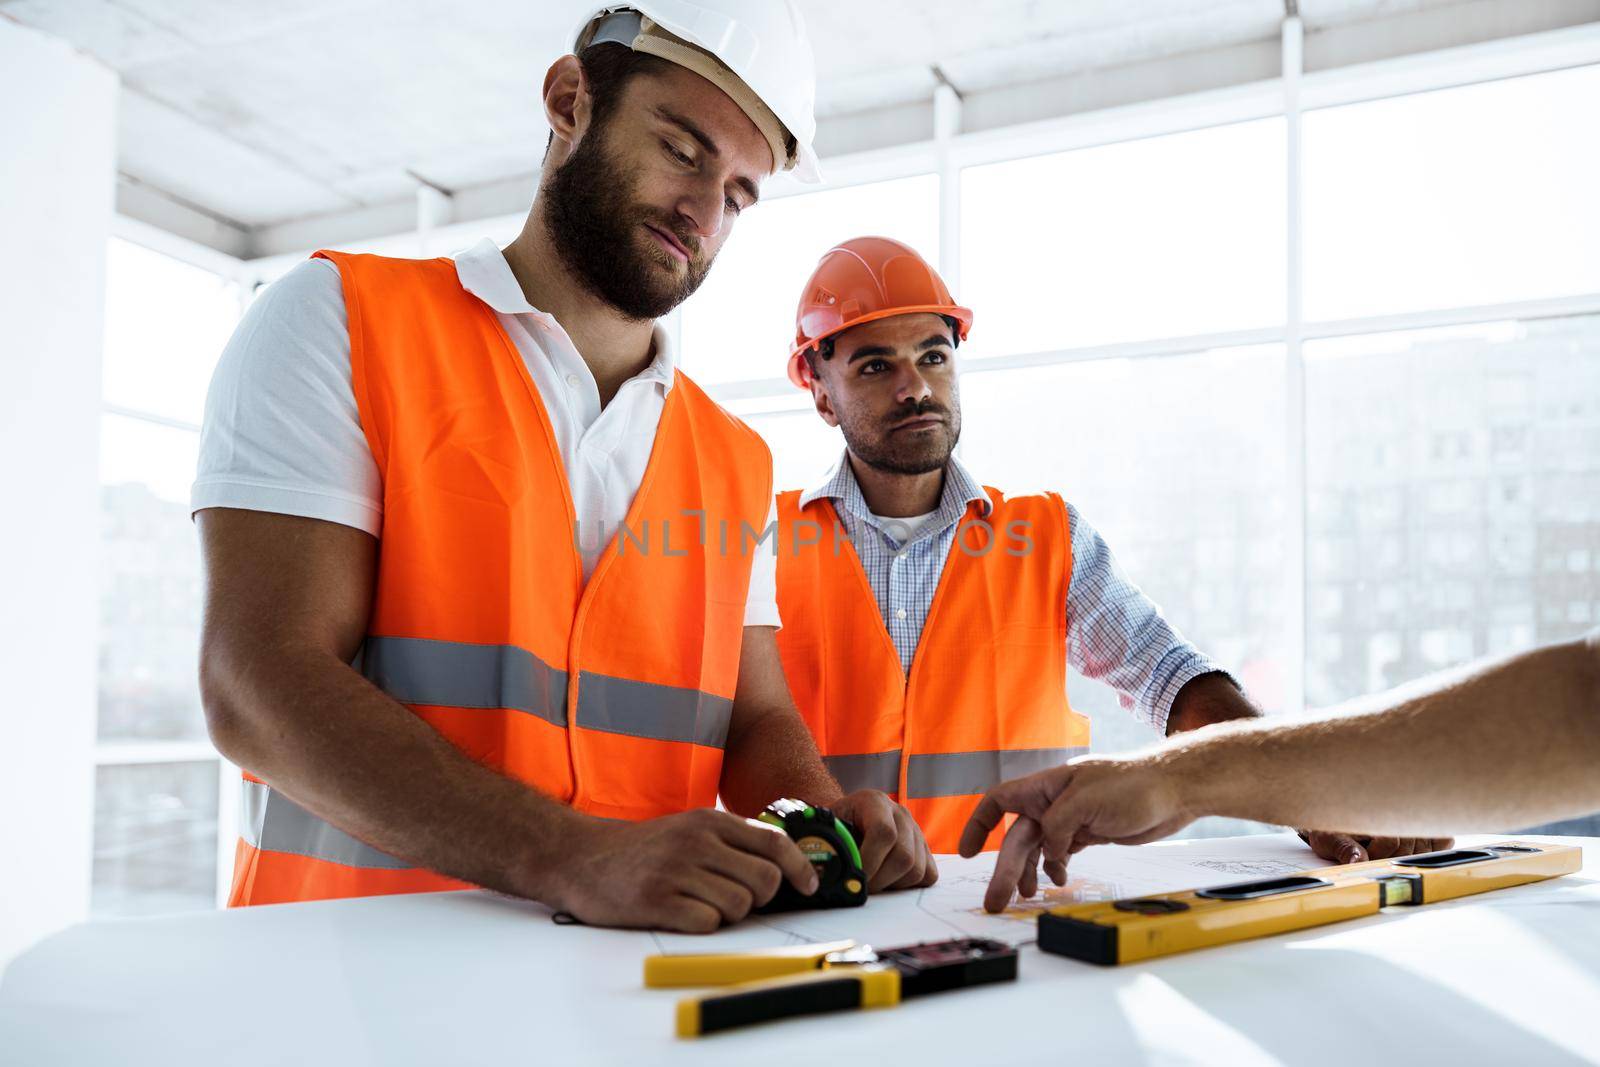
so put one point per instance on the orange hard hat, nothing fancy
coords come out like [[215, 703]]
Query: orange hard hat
[[863, 280]]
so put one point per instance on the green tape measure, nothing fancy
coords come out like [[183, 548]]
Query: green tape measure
[[830, 844]]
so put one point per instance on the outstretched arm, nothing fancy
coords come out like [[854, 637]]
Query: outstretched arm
[[1487, 748]]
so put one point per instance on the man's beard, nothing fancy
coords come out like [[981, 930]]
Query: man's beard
[[596, 227], [905, 451]]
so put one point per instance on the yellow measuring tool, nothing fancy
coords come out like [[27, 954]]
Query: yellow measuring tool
[[1141, 928], [780, 983]]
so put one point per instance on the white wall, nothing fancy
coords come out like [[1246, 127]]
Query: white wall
[[57, 175]]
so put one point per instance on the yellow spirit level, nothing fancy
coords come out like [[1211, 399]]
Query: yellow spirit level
[[781, 983], [1141, 928]]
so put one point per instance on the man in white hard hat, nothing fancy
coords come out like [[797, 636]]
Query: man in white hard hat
[[439, 663]]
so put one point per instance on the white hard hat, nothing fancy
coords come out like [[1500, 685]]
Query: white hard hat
[[756, 51]]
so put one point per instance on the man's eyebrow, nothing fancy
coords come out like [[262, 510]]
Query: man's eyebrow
[[869, 351], [673, 118], [936, 341]]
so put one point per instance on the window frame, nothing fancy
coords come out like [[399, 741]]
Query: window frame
[[237, 273]]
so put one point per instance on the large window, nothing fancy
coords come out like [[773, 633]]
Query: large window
[[159, 786], [155, 827], [1159, 237], [741, 324], [150, 585], [1454, 498], [1176, 462], [804, 448], [1482, 194], [1452, 469]]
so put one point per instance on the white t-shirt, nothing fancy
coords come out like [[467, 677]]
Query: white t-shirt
[[282, 432], [904, 528]]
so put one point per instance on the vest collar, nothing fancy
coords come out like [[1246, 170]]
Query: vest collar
[[483, 271]]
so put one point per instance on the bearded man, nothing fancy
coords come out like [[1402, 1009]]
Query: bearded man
[[431, 680]]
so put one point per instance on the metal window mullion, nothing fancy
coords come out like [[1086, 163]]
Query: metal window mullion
[[1188, 344], [1293, 41], [1464, 315], [1461, 315], [150, 417], [1152, 349], [946, 127], [125, 753]]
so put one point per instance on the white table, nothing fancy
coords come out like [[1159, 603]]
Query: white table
[[468, 978]]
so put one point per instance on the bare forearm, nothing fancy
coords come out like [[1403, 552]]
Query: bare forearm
[[769, 752], [771, 756], [1490, 748], [338, 746]]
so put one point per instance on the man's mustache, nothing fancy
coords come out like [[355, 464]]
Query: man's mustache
[[917, 411], [688, 240]]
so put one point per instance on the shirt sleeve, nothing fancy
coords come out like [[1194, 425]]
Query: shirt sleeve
[[1117, 635], [761, 603], [282, 432]]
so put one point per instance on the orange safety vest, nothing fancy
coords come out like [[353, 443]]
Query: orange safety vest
[[986, 699], [613, 696]]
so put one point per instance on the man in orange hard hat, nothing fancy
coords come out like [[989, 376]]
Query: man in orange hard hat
[[928, 619], [422, 636]]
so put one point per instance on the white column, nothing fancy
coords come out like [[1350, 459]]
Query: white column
[[1294, 377], [57, 182]]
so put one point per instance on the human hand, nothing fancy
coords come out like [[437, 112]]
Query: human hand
[[1092, 800], [1355, 848], [894, 854], [691, 872]]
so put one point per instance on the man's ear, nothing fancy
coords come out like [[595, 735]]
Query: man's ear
[[566, 99], [824, 403]]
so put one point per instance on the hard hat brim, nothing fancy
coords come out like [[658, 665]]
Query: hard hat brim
[[799, 372], [777, 119]]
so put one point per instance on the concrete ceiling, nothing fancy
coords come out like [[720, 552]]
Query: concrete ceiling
[[257, 114]]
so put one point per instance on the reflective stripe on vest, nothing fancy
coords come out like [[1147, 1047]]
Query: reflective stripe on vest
[[417, 671], [272, 822], [455, 674], [944, 774]]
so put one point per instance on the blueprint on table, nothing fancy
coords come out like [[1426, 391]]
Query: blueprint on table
[[954, 906]]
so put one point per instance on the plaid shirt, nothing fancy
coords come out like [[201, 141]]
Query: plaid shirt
[[1115, 634]]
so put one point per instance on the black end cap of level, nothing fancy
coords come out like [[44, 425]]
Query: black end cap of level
[[1089, 942]]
